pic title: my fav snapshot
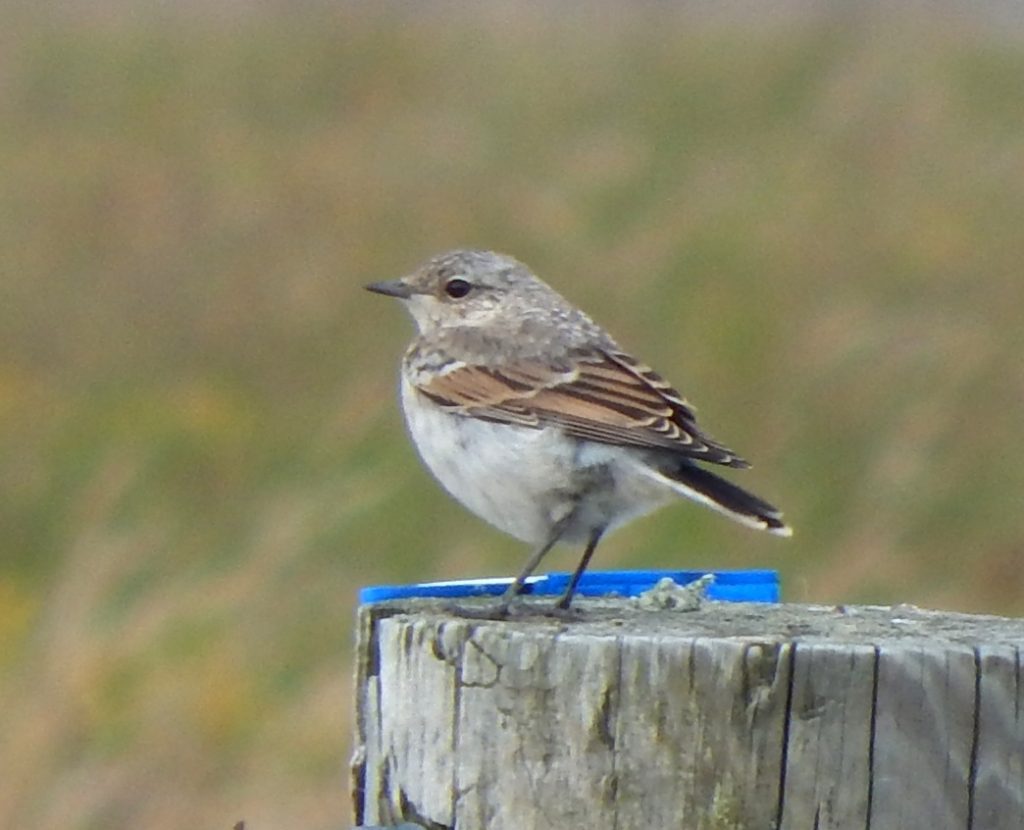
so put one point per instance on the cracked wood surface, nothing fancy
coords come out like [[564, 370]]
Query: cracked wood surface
[[733, 716]]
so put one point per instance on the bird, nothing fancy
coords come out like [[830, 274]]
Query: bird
[[530, 414]]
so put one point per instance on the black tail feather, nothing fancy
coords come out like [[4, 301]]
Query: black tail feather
[[728, 498]]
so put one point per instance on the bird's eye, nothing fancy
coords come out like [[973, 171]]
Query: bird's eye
[[457, 288]]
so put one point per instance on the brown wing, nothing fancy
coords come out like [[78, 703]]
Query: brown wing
[[605, 396]]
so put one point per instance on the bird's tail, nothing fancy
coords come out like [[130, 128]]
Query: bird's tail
[[705, 487]]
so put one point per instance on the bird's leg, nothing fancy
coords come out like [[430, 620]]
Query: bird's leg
[[566, 598], [500, 611], [516, 588]]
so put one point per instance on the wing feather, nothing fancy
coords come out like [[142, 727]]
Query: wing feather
[[602, 396]]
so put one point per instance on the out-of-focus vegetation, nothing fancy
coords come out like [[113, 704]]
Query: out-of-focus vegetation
[[812, 225]]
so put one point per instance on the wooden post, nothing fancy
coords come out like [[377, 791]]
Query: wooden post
[[733, 717]]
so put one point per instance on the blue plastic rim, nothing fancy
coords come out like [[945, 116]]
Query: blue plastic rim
[[728, 586]]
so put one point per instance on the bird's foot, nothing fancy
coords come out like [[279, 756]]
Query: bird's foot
[[495, 611], [514, 608]]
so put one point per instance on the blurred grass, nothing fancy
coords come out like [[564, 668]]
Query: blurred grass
[[812, 225]]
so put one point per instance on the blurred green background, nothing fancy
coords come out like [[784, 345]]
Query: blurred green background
[[810, 221]]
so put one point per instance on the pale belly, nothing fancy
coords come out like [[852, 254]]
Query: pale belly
[[523, 480]]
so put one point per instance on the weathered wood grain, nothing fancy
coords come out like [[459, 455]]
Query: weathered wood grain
[[732, 716], [535, 722], [999, 769], [828, 757], [924, 737], [417, 711], [712, 760]]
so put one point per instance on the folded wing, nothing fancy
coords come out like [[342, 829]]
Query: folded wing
[[603, 396]]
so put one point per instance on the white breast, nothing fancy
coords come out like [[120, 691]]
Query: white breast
[[508, 475], [524, 480]]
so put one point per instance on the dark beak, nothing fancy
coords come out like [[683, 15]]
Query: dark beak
[[391, 288]]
